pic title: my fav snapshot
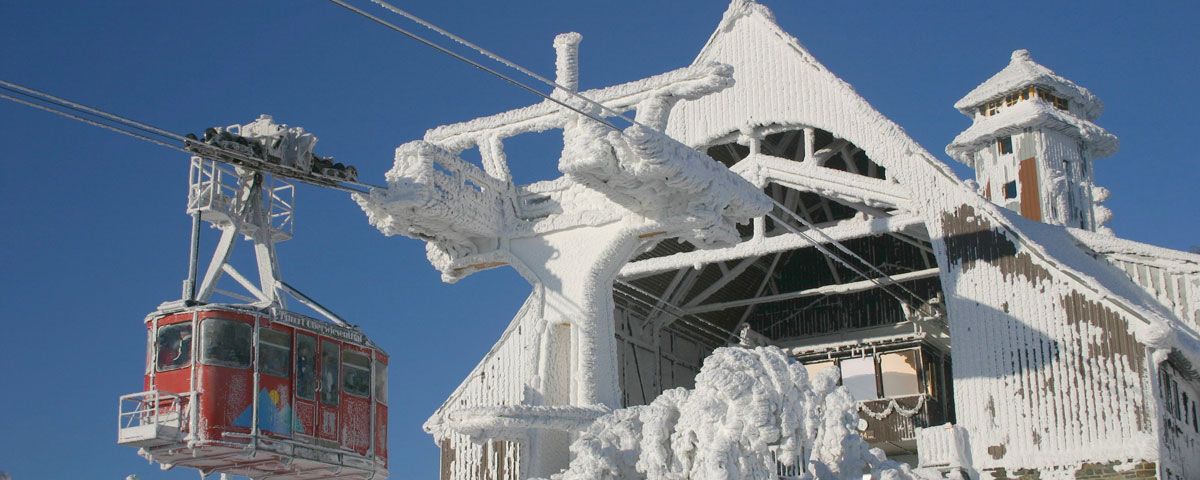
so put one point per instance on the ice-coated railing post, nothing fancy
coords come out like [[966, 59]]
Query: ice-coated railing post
[[566, 62]]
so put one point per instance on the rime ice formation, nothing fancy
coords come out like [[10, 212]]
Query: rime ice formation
[[1066, 344], [647, 171], [1032, 144], [752, 411], [1022, 71]]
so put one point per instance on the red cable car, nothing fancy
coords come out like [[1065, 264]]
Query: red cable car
[[253, 389], [241, 391]]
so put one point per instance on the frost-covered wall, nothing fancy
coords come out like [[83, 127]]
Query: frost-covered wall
[[1052, 377]]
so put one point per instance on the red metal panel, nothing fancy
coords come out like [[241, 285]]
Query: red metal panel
[[355, 412], [381, 420], [305, 409]]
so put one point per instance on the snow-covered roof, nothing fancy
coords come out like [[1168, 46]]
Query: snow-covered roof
[[1022, 71], [1030, 114]]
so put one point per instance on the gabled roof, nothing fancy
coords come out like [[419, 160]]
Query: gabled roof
[[778, 82], [1022, 71]]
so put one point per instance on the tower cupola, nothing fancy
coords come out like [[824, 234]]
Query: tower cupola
[[1032, 144]]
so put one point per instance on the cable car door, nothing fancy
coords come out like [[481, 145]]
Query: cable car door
[[329, 389], [305, 375]]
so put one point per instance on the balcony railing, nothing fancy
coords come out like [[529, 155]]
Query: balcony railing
[[152, 418], [898, 419]]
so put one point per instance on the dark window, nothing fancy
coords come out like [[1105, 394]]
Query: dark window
[[356, 375], [381, 385], [1010, 190], [174, 346], [274, 352], [1005, 145], [225, 343], [329, 372], [306, 358]]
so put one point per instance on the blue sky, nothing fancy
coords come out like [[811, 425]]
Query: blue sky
[[95, 235]]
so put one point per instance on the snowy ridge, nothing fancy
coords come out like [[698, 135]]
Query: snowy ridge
[[1023, 71], [1029, 114]]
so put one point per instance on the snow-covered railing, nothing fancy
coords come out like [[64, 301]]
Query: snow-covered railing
[[943, 446], [151, 418]]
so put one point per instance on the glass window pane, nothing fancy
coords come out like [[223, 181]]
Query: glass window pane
[[858, 376], [357, 374], [816, 368], [329, 372], [274, 352], [381, 387], [174, 346], [899, 370], [226, 343], [306, 359]]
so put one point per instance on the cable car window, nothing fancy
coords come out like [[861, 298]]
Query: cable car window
[[381, 389], [329, 372], [274, 352], [306, 359], [899, 371], [225, 343], [174, 346], [357, 375]]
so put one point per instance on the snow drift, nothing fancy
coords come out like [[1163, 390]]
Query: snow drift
[[752, 413]]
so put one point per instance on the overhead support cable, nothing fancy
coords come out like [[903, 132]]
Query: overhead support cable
[[838, 258], [675, 311], [839, 245], [485, 68], [158, 136]]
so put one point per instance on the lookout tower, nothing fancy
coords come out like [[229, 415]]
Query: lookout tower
[[1032, 144]]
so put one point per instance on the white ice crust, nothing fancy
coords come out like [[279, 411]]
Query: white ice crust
[[1023, 71], [1035, 114], [749, 410]]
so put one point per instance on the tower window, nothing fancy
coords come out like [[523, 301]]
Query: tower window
[[1010, 190], [1005, 145]]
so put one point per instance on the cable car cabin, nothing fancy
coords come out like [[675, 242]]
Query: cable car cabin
[[237, 390]]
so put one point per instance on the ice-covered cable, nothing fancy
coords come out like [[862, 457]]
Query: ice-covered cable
[[138, 130], [841, 247], [86, 109], [681, 316], [475, 64], [509, 63], [843, 261], [93, 123]]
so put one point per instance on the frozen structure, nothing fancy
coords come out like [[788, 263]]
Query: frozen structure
[[1033, 142], [980, 336], [754, 414]]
